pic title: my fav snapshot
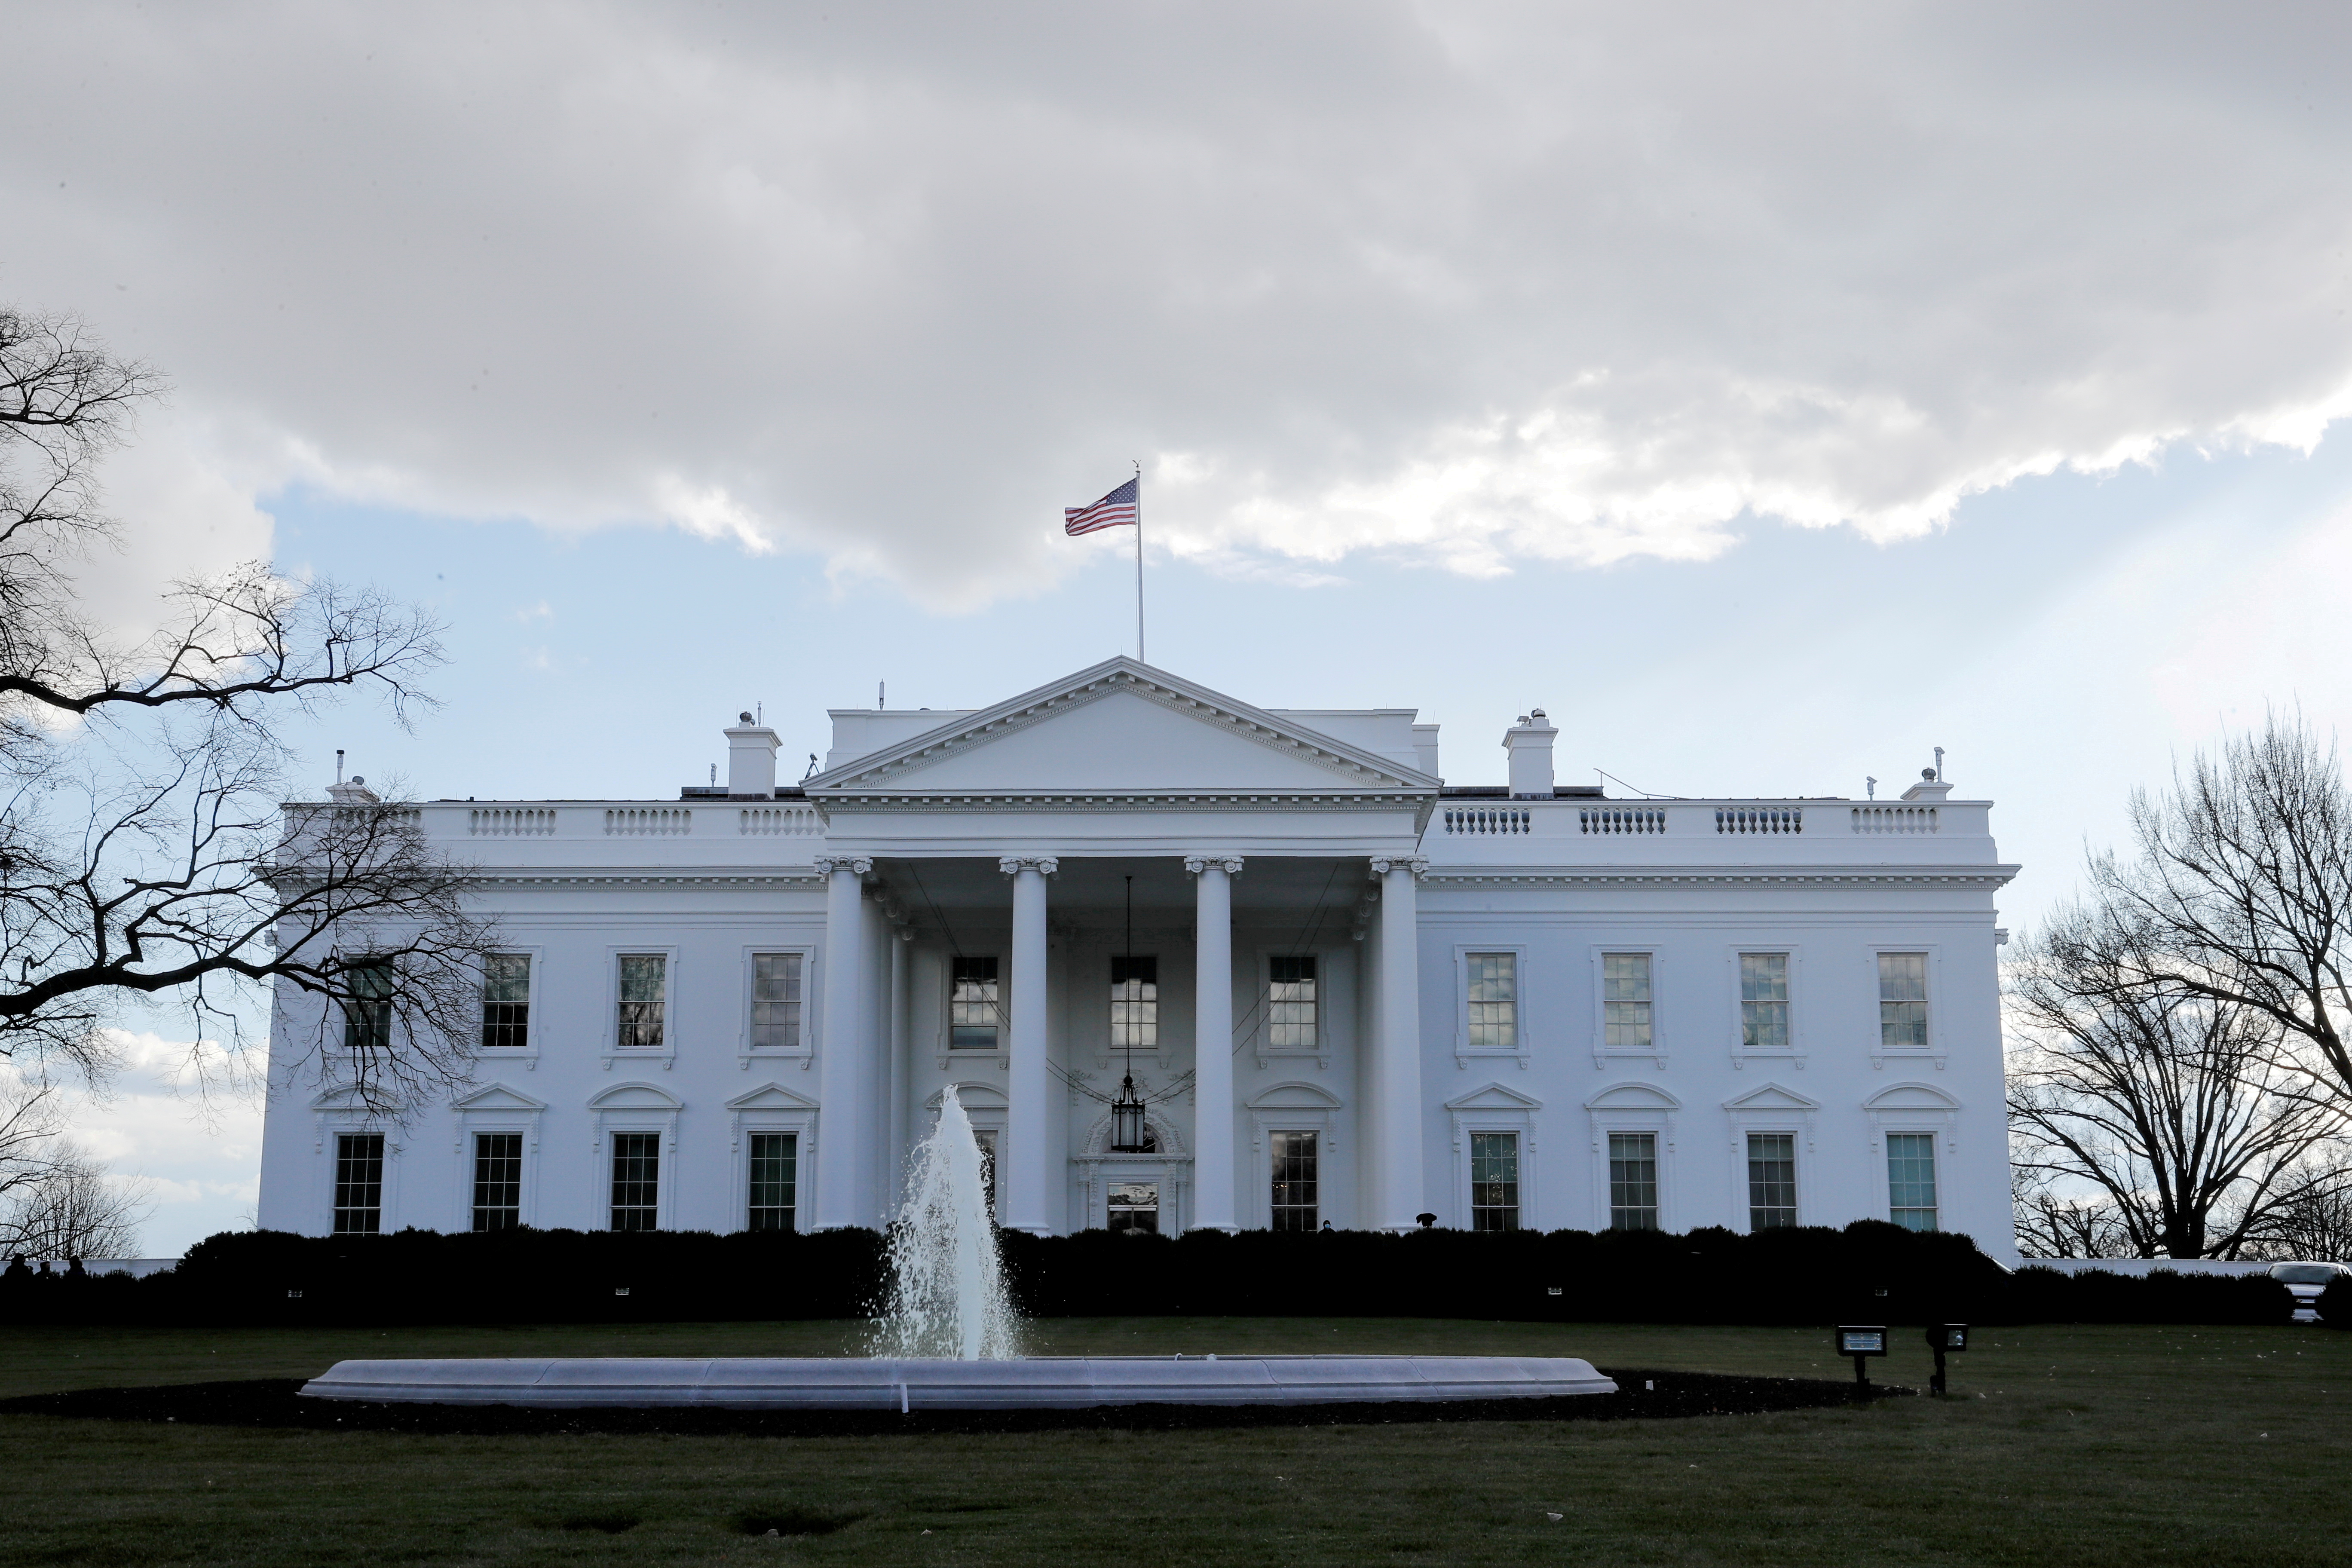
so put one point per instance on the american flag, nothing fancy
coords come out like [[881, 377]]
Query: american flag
[[1123, 505]]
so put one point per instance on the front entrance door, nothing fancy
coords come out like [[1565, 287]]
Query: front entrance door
[[1135, 1205]]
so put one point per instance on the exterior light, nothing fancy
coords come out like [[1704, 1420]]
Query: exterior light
[[1861, 1340], [1127, 1119], [1943, 1338]]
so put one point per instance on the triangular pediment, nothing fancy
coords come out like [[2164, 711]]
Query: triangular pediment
[[1771, 1096], [1120, 727], [498, 1096], [771, 1097], [1493, 1096]]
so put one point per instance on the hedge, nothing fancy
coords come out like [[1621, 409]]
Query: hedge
[[1868, 1272]]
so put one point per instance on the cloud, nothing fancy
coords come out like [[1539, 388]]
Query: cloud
[[1464, 286]]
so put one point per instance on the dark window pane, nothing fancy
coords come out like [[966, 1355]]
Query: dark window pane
[[359, 1184], [1134, 1003], [1772, 1180], [1494, 1180], [1634, 1181], [497, 1180], [1295, 1205], [506, 1002], [367, 1011], [1290, 1001], [974, 1013], [775, 1180], [636, 1180]]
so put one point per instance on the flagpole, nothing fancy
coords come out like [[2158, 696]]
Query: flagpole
[[1139, 565]]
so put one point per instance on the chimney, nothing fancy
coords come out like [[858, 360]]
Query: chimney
[[1530, 744], [1929, 788], [751, 760]]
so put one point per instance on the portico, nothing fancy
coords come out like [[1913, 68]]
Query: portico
[[1020, 837]]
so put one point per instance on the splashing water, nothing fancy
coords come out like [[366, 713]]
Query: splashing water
[[947, 1283]]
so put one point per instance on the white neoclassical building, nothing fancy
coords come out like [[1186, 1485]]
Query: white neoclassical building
[[1348, 993]]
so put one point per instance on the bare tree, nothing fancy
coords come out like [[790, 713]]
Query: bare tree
[[2317, 1226], [2173, 1107], [75, 1208], [144, 853], [2241, 892], [2054, 1225]]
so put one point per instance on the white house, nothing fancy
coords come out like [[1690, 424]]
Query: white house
[[1348, 993]]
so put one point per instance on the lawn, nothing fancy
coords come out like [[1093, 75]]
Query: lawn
[[2065, 1446]]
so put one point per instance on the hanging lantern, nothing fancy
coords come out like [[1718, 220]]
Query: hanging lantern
[[1127, 1120]]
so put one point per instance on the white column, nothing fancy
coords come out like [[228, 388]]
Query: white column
[[1213, 1041], [1397, 1049], [839, 1133], [902, 1077], [1030, 1167]]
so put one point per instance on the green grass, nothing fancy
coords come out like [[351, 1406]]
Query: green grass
[[2068, 1446]]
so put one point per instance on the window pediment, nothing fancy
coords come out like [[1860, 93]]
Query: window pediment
[[636, 1097], [771, 1097]]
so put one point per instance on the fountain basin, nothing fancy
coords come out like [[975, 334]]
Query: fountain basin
[[910, 1383]]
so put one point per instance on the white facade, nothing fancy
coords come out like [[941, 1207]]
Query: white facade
[[1819, 974]]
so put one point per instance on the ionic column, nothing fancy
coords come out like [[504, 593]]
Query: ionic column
[[1396, 1050], [1213, 1041], [840, 1130], [1028, 1170]]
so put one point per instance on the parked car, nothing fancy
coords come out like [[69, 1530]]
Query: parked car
[[2304, 1281]]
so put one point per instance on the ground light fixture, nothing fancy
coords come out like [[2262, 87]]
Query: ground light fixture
[[1943, 1338], [1861, 1340]]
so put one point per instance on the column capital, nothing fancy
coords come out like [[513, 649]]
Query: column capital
[[1044, 865], [1416, 864], [827, 865], [1230, 865]]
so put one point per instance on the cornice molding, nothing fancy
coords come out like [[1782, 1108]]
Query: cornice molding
[[676, 877], [1745, 876], [1129, 799]]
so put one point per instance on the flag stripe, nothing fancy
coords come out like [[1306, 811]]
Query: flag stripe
[[1121, 507]]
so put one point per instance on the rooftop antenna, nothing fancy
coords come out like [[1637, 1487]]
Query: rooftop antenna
[[812, 768], [339, 766], [759, 712], [1939, 764], [1871, 786], [881, 688], [714, 775]]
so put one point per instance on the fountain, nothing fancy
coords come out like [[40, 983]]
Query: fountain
[[949, 1339], [947, 1282]]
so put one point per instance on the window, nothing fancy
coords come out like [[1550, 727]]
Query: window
[[972, 1011], [506, 1002], [775, 1002], [645, 979], [1772, 1180], [775, 1161], [1903, 1001], [1134, 1004], [1764, 1001], [636, 1180], [498, 1181], [1632, 1181], [1911, 1180], [359, 1184], [1625, 1001], [1294, 1181], [1134, 1206], [367, 1011], [1290, 1003], [1494, 1001], [1494, 1180]]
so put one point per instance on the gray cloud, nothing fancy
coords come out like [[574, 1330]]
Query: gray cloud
[[1471, 284]]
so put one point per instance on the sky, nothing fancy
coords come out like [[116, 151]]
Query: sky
[[1770, 394]]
